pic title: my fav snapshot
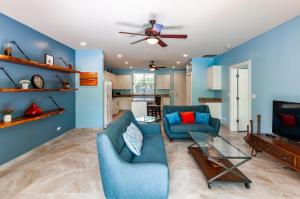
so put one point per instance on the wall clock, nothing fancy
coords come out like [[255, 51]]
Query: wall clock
[[37, 81]]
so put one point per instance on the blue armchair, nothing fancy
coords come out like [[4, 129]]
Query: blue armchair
[[181, 130], [127, 176]]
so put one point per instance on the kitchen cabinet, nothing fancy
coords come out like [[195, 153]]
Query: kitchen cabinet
[[124, 103], [111, 78], [124, 81], [163, 82], [214, 78], [115, 106]]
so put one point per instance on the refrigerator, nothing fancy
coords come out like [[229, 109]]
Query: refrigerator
[[108, 114]]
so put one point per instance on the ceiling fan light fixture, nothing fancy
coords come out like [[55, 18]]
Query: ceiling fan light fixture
[[152, 69], [152, 40]]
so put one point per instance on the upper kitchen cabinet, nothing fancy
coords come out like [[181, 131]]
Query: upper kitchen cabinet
[[163, 82], [111, 78], [214, 78], [124, 82]]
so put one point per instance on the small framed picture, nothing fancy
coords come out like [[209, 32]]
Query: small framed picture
[[49, 59]]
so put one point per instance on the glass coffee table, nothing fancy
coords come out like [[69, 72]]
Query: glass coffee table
[[146, 119], [213, 155]]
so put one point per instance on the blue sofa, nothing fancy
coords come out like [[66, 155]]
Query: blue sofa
[[181, 130], [125, 175]]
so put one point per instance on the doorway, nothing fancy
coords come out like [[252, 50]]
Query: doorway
[[240, 96], [179, 88]]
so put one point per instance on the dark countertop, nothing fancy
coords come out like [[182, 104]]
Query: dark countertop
[[140, 96], [209, 100]]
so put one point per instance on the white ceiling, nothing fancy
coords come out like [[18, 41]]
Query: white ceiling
[[210, 24]]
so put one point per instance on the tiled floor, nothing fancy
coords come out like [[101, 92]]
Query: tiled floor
[[68, 168]]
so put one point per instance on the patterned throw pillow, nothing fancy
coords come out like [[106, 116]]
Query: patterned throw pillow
[[133, 138]]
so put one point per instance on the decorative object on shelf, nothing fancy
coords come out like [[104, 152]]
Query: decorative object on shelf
[[54, 102], [49, 59], [24, 83], [69, 65], [251, 126], [9, 77], [37, 81], [65, 83], [33, 110], [88, 78], [258, 123], [7, 111], [18, 47], [8, 49]]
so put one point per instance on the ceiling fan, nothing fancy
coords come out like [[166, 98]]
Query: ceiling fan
[[154, 67], [153, 35]]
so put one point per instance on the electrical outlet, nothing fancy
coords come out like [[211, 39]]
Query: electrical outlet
[[253, 96], [58, 128]]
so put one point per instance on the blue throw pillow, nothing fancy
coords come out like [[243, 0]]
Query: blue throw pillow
[[202, 118], [173, 118]]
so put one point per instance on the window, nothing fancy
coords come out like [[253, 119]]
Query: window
[[143, 83]]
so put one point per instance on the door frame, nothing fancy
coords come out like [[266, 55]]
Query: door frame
[[232, 121]]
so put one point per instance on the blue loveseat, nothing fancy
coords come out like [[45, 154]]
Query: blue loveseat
[[181, 130], [127, 176]]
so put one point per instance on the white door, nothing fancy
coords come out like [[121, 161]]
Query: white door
[[188, 99], [179, 88], [240, 101], [107, 103]]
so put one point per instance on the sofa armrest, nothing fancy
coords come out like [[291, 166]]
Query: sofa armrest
[[215, 123], [166, 126], [150, 129]]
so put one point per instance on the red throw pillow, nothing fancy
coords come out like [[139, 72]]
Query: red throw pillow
[[187, 117], [288, 120]]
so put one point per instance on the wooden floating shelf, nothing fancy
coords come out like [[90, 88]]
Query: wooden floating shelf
[[36, 64], [17, 90], [25, 119]]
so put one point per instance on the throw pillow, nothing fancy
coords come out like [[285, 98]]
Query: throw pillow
[[202, 118], [288, 120], [133, 138], [173, 118], [187, 117]]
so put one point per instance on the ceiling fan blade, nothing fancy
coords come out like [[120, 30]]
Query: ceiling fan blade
[[139, 40], [130, 33], [132, 25], [172, 27], [161, 67], [161, 42], [174, 36]]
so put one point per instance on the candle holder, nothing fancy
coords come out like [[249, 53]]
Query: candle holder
[[8, 49], [258, 123]]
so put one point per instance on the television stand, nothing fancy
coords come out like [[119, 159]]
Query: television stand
[[280, 148]]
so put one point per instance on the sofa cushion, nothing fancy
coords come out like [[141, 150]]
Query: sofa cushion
[[187, 117], [185, 128], [202, 118], [173, 118], [153, 150], [133, 138]]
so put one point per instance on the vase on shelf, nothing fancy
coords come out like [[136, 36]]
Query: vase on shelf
[[8, 49], [7, 118], [24, 84]]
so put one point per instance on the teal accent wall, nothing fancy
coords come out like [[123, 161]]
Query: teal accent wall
[[122, 71], [89, 99], [17, 140], [275, 69], [199, 79]]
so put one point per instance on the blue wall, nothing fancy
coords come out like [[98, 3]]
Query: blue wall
[[123, 71], [199, 79], [275, 69], [17, 140], [89, 99]]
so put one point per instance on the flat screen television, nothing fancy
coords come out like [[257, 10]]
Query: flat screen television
[[286, 119]]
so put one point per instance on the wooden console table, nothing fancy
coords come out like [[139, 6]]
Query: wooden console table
[[288, 152]]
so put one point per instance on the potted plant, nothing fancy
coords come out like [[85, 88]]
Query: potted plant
[[7, 111], [24, 83]]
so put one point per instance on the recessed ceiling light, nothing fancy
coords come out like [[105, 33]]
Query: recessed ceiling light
[[185, 55], [178, 62], [119, 56], [126, 62], [227, 46], [130, 67], [173, 66], [82, 43]]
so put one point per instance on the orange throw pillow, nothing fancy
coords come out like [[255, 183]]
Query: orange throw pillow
[[187, 117]]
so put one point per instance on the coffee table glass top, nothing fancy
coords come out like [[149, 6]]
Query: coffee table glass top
[[146, 119], [217, 147]]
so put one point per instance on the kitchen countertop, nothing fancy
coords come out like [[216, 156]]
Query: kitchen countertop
[[209, 100], [140, 96]]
